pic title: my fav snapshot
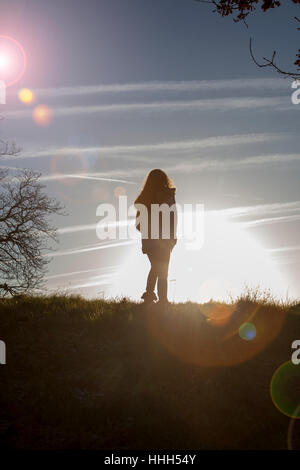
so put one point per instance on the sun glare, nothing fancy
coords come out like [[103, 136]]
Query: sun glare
[[12, 60], [3, 61], [230, 259]]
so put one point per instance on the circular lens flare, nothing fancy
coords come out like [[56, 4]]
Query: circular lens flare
[[5, 59], [285, 389], [217, 314], [25, 95], [42, 115], [119, 191], [247, 331]]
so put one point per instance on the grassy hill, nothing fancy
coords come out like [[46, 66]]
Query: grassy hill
[[115, 375]]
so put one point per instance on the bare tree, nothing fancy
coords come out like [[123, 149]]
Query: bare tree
[[240, 10], [25, 230]]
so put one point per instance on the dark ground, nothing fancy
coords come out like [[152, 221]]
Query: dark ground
[[114, 375]]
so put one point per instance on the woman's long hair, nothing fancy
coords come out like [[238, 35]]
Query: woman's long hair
[[155, 185]]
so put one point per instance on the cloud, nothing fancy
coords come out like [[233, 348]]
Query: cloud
[[75, 273], [85, 249], [63, 176], [260, 209], [157, 86], [188, 166], [76, 228], [271, 220], [230, 213], [140, 152], [106, 280], [87, 227], [217, 104], [102, 279], [279, 212], [232, 164], [284, 249]]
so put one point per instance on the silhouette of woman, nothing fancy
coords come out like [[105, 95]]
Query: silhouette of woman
[[156, 219]]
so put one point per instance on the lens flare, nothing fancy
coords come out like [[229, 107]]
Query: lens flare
[[247, 331], [25, 95], [217, 314], [42, 115], [195, 340], [285, 389], [5, 60], [119, 191]]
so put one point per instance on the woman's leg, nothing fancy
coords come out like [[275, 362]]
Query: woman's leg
[[152, 278], [163, 268]]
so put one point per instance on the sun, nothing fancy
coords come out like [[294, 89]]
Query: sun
[[4, 61], [13, 60], [230, 259]]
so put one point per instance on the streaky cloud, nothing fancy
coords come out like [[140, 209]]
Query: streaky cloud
[[63, 176], [85, 271], [85, 249], [156, 86], [233, 164], [169, 146], [260, 209], [284, 249], [271, 220], [216, 104]]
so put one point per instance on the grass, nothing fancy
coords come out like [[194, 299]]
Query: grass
[[96, 374]]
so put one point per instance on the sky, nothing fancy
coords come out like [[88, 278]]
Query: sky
[[130, 85]]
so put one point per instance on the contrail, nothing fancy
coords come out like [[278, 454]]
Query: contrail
[[284, 249], [277, 207], [232, 212], [87, 227], [271, 220], [156, 86], [91, 284], [139, 151], [74, 273], [216, 104], [232, 164], [84, 177], [92, 248], [191, 166]]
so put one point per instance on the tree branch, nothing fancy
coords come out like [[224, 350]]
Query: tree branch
[[271, 63]]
